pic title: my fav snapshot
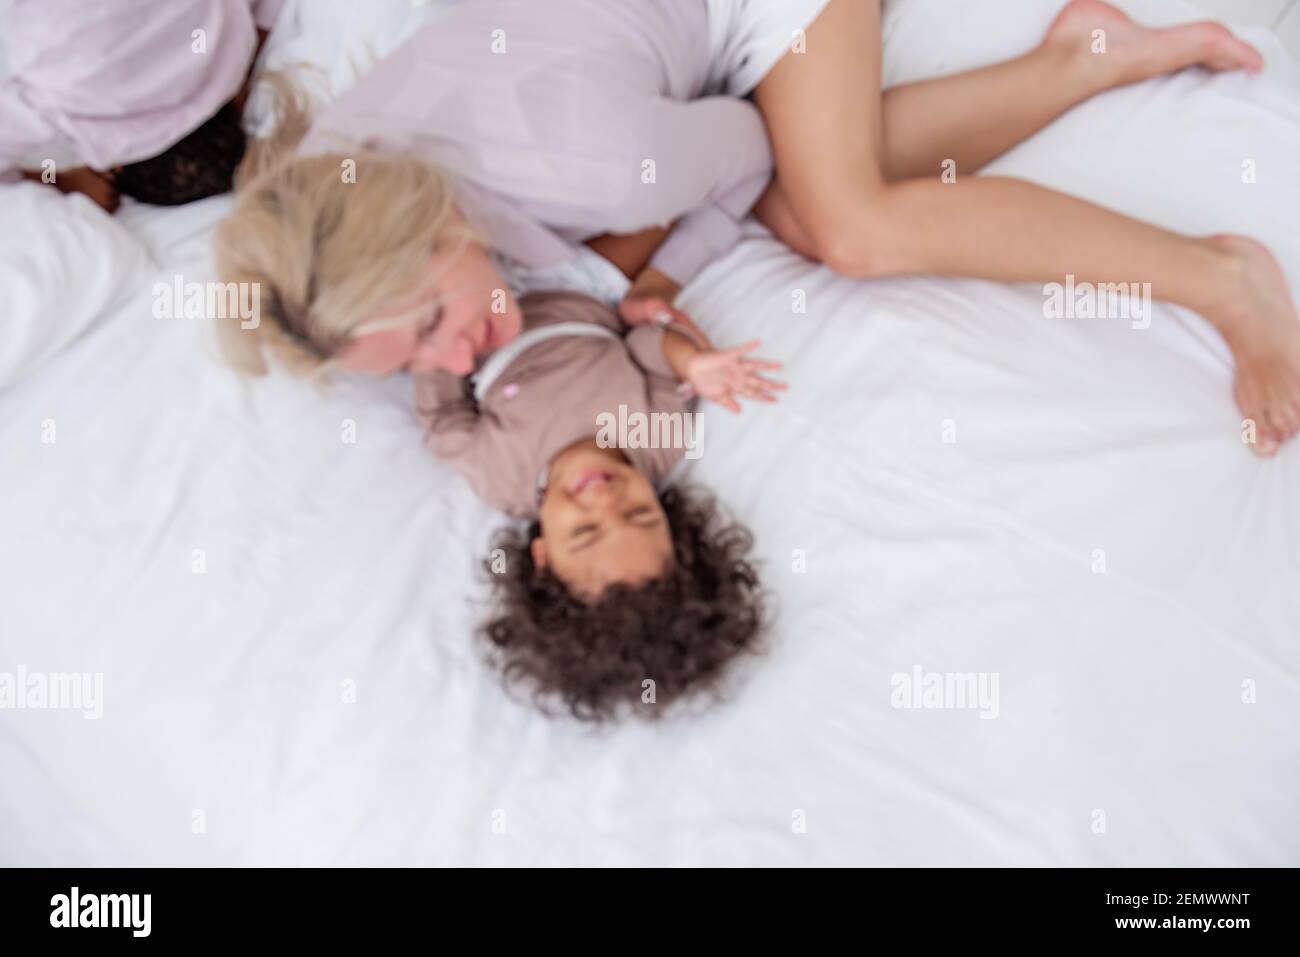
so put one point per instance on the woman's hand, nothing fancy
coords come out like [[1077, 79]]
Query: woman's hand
[[723, 376], [652, 294], [651, 300]]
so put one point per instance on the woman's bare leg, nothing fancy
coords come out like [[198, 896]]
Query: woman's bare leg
[[973, 118], [833, 199]]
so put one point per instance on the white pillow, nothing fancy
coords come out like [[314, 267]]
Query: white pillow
[[64, 263], [342, 39]]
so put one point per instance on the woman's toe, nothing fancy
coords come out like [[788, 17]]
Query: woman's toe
[[1224, 51]]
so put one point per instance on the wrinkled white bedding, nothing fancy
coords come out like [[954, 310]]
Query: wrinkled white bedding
[[1121, 736]]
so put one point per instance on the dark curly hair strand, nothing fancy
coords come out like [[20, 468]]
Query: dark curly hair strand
[[679, 630]]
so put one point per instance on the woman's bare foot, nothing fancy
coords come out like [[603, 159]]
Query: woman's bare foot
[[1127, 52], [1260, 324]]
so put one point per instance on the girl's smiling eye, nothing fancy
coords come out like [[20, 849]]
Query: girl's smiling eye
[[642, 515]]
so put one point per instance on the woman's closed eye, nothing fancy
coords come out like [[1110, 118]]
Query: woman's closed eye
[[426, 328]]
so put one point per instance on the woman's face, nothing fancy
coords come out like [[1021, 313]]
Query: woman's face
[[469, 313], [601, 522]]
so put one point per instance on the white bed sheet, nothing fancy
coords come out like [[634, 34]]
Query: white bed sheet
[[329, 562]]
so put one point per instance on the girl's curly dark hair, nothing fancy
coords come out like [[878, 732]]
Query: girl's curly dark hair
[[679, 630]]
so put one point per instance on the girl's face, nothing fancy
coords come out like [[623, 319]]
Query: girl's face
[[469, 313], [602, 523]]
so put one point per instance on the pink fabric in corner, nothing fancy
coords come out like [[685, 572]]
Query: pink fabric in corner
[[120, 80]]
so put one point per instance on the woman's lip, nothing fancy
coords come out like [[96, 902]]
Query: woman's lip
[[588, 477]]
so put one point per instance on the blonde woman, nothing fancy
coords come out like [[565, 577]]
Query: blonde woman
[[523, 134]]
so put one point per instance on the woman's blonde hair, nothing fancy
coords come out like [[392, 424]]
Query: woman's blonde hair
[[330, 240]]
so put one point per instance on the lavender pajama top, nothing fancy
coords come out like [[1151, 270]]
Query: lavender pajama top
[[565, 119], [117, 81]]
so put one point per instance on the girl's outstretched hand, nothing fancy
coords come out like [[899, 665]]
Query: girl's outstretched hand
[[722, 377]]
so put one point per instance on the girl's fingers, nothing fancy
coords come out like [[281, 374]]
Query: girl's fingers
[[747, 347], [754, 377], [759, 385], [762, 364]]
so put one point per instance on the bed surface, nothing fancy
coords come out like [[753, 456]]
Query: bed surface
[[935, 492]]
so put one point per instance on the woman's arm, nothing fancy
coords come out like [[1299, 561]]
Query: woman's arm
[[652, 293], [711, 159], [706, 161], [631, 254], [651, 299]]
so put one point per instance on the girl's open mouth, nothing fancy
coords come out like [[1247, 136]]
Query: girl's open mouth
[[589, 477]]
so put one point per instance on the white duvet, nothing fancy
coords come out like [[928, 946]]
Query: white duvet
[[955, 485]]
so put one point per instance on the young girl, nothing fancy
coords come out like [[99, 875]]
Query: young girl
[[616, 583], [592, 121], [145, 94]]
